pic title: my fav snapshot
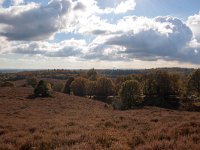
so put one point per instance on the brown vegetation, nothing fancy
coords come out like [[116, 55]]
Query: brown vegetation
[[70, 122]]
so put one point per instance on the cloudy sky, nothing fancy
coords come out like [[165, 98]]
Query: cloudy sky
[[76, 34]]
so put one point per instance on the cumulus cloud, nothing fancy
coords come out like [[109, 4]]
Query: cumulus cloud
[[142, 38], [194, 23], [26, 28], [32, 21]]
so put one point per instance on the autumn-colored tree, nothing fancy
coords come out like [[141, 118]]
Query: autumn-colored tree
[[119, 81], [104, 87], [43, 89], [67, 88], [92, 74], [130, 93], [79, 86]]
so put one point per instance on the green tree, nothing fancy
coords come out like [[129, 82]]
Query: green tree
[[194, 82], [67, 88], [43, 89], [130, 93], [79, 86], [163, 84], [104, 87]]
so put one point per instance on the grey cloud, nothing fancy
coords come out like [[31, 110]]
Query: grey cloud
[[79, 6], [152, 45], [35, 49], [35, 24]]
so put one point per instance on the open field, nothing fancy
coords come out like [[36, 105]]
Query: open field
[[70, 122]]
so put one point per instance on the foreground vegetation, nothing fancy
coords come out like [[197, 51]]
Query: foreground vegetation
[[83, 111], [71, 122]]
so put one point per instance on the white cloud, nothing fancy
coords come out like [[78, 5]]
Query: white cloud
[[1, 3], [125, 6], [17, 2], [194, 23]]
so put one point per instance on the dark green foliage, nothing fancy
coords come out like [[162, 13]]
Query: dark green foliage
[[130, 93], [194, 82], [32, 81], [67, 88], [43, 89], [79, 86], [104, 87], [163, 84]]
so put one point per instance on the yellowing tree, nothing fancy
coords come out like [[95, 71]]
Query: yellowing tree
[[79, 86]]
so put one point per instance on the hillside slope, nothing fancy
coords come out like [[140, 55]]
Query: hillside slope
[[70, 122]]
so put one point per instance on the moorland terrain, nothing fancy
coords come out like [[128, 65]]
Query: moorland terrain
[[70, 122]]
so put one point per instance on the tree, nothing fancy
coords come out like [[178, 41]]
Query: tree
[[119, 81], [92, 74], [79, 86], [67, 88], [43, 89], [90, 88], [130, 93], [194, 82], [163, 84], [104, 87]]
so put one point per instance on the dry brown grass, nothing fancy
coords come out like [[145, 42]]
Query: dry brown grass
[[69, 122]]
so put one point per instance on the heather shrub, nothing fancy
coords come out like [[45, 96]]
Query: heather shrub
[[7, 84]]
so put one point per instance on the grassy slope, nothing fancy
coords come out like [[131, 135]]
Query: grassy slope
[[69, 122]]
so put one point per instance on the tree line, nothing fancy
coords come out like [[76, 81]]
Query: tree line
[[132, 90]]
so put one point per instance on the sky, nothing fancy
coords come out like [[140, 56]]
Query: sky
[[101, 34]]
